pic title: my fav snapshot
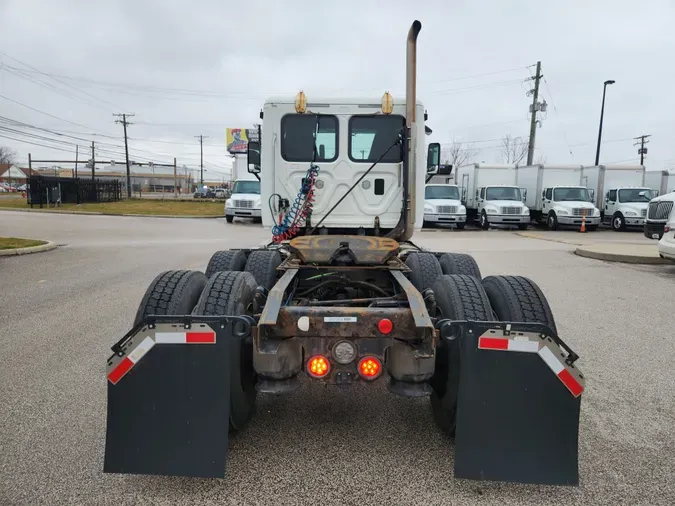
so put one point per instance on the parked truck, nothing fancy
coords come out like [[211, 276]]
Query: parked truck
[[659, 212], [245, 200], [620, 194], [442, 205], [491, 195], [341, 296], [556, 197]]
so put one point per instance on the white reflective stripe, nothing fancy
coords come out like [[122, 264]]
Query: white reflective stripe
[[140, 350], [551, 360], [170, 337], [526, 346]]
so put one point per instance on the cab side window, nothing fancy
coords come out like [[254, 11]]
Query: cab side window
[[612, 195], [549, 193], [482, 193]]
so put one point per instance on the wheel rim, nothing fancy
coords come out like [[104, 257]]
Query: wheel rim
[[483, 219], [617, 222], [551, 221]]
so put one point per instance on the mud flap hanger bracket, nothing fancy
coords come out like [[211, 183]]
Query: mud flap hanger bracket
[[451, 329], [241, 326]]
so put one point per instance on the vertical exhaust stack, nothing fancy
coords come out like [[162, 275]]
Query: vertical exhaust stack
[[411, 127]]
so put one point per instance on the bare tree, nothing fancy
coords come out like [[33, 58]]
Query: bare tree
[[457, 153], [514, 149], [7, 155], [541, 160]]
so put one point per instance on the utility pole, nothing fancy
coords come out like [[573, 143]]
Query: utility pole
[[201, 157], [126, 148], [175, 180], [93, 160], [77, 157], [642, 151], [536, 106]]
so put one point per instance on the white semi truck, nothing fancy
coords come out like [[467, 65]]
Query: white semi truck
[[491, 195], [620, 193], [442, 205], [659, 211], [556, 197]]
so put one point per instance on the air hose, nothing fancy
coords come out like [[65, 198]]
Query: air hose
[[296, 216]]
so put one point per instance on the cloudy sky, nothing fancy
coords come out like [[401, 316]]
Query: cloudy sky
[[188, 68]]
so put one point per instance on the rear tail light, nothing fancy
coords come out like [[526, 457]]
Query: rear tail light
[[318, 366], [370, 367]]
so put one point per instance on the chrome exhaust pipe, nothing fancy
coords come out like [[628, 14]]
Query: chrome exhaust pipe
[[411, 129]]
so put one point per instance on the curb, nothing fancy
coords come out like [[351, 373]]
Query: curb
[[97, 213], [621, 257], [533, 235], [25, 251]]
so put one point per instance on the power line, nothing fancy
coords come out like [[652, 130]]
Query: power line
[[643, 150]]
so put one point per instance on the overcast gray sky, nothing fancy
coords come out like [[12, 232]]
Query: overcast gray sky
[[187, 68]]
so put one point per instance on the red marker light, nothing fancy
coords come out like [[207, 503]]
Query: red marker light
[[385, 326], [370, 368], [318, 366]]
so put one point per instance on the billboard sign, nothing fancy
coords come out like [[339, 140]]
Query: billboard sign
[[237, 140]]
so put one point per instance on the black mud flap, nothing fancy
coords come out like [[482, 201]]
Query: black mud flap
[[518, 405], [169, 397]]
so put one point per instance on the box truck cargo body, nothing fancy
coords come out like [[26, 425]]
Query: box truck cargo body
[[662, 181], [556, 197]]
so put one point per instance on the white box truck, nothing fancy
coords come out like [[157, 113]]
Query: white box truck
[[245, 201], [556, 197], [442, 205], [620, 193], [662, 181], [491, 195]]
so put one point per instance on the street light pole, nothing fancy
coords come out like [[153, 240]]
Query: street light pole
[[602, 114]]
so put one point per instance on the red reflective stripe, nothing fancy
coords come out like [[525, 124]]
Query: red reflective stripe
[[569, 381], [122, 368], [493, 343], [200, 337]]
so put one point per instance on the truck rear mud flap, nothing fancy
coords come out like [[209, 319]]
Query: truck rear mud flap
[[169, 396], [518, 403]]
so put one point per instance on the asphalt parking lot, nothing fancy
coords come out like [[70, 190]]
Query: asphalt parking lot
[[60, 312]]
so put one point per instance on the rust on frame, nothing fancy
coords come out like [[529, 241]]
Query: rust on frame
[[318, 249]]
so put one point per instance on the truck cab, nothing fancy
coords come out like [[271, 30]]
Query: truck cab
[[659, 212], [442, 205], [245, 201], [569, 205], [626, 206], [502, 205]]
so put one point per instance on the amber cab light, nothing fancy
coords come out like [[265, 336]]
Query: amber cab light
[[370, 367], [318, 366], [385, 326]]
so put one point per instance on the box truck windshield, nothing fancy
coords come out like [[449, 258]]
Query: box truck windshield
[[571, 195], [635, 195], [506, 193], [252, 187], [441, 192]]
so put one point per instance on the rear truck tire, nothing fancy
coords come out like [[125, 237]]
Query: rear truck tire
[[618, 222], [518, 299], [459, 263], [460, 226], [226, 260], [458, 297], [229, 219], [171, 293], [591, 228], [484, 223], [230, 294], [263, 265], [424, 269], [552, 221]]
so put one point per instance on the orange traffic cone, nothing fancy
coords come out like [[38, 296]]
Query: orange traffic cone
[[583, 223]]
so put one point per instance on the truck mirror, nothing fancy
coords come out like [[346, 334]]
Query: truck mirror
[[591, 194], [543, 194], [463, 194], [655, 192], [523, 192], [253, 155], [433, 158]]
